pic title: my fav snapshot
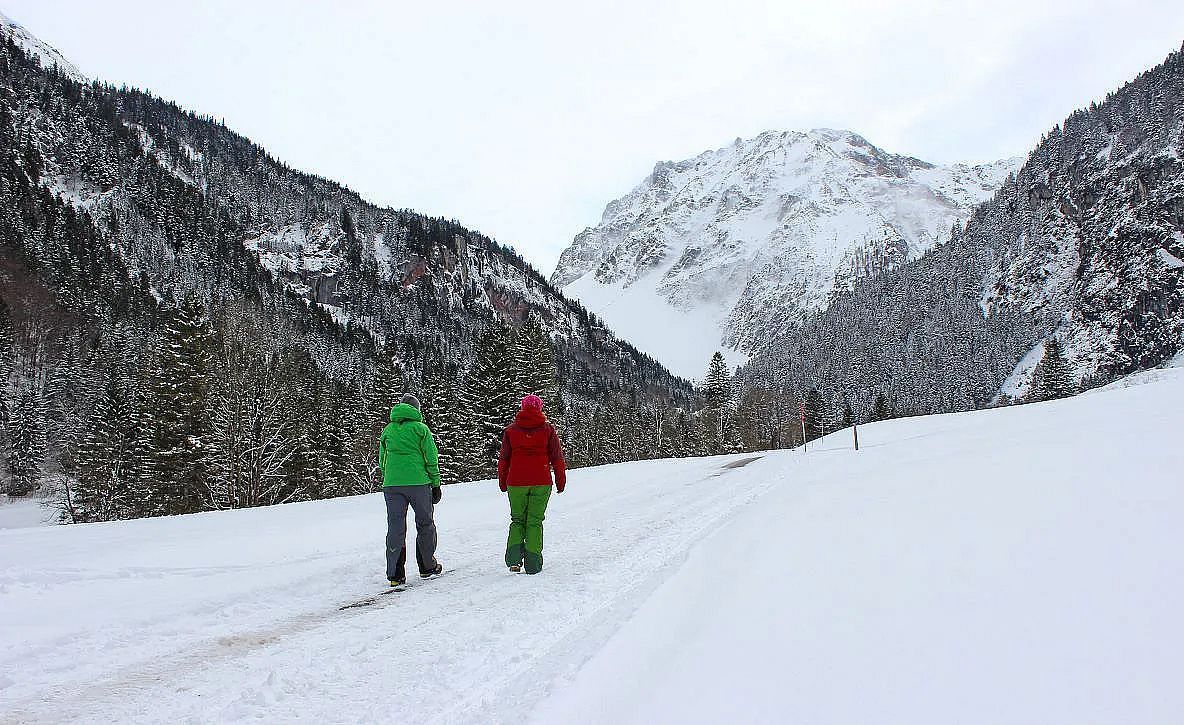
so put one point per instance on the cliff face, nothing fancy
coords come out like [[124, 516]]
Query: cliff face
[[733, 245]]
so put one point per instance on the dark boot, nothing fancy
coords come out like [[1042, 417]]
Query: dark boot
[[400, 575]]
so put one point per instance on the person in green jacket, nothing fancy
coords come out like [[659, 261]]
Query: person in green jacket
[[410, 477]]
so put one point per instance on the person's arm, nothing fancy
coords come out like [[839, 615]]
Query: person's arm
[[503, 461], [555, 453], [431, 457], [382, 450]]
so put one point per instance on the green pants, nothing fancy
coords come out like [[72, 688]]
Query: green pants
[[528, 508]]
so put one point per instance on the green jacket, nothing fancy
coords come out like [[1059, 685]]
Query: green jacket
[[406, 450]]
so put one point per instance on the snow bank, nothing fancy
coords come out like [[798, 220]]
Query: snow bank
[[1012, 565], [1016, 565]]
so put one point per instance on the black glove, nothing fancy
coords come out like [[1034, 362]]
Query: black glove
[[437, 494]]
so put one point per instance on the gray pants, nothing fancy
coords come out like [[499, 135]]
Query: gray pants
[[398, 498]]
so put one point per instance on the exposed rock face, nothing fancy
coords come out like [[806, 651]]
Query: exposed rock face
[[1085, 242], [741, 241]]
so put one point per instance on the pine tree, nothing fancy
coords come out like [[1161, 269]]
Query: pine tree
[[533, 356], [26, 453], [882, 410], [846, 415], [1053, 378], [815, 413], [534, 371], [180, 384], [441, 413], [389, 385], [7, 360], [488, 403], [105, 460], [717, 385], [7, 352], [332, 461], [719, 408]]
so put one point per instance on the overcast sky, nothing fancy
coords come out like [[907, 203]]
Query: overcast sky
[[523, 119]]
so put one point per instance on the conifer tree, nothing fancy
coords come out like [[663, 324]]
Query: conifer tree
[[7, 353], [534, 370], [488, 402], [717, 385], [180, 384], [332, 464], [7, 360], [389, 385], [846, 416], [1053, 377], [442, 415], [719, 408], [105, 459], [881, 410], [26, 452], [815, 413]]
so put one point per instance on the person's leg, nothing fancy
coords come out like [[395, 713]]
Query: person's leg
[[515, 542], [396, 533], [536, 511], [425, 527]]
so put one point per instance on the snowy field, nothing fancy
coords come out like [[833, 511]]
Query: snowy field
[[1020, 565], [19, 513]]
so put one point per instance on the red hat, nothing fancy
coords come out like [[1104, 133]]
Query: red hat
[[532, 402]]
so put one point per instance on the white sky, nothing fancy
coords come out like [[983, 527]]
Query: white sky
[[523, 119]]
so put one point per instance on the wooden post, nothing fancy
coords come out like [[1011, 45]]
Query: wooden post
[[803, 427], [855, 431]]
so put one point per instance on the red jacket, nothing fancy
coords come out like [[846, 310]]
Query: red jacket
[[530, 449]]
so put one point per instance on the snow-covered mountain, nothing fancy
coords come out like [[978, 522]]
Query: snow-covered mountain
[[728, 247], [48, 55], [1085, 242]]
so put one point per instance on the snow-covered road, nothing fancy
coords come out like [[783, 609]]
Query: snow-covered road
[[235, 615], [1016, 565]]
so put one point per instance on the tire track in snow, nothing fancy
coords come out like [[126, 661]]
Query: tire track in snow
[[451, 647]]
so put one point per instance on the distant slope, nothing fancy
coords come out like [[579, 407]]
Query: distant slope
[[739, 243]]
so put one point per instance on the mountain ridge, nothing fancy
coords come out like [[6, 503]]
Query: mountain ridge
[[743, 238], [1082, 244]]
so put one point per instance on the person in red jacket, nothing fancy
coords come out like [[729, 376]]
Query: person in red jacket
[[530, 450]]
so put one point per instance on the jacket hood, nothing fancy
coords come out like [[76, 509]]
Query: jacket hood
[[403, 411], [530, 418]]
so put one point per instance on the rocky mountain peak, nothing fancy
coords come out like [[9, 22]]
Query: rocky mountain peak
[[719, 248]]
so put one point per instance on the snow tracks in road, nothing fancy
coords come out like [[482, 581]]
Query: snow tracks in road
[[235, 615]]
